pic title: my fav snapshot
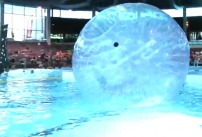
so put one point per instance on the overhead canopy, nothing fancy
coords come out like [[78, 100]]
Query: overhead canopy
[[102, 4]]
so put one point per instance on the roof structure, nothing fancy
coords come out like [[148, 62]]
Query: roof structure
[[102, 4]]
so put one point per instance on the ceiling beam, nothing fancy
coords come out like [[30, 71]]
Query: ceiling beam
[[74, 6], [63, 1], [55, 3], [116, 2], [174, 5], [32, 3]]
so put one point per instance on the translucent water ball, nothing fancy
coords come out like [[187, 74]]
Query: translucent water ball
[[131, 51]]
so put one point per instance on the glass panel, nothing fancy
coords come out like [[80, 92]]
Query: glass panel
[[51, 13], [56, 13], [8, 20], [9, 33], [44, 27], [18, 10], [64, 14], [191, 12], [33, 36], [18, 21], [19, 35], [29, 26], [39, 12], [70, 14], [44, 12], [8, 8], [39, 35], [76, 14], [82, 14], [39, 23], [34, 23], [30, 11]]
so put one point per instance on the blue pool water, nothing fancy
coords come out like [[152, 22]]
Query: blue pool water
[[46, 103]]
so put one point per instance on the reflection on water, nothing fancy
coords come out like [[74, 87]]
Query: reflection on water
[[45, 104], [30, 103]]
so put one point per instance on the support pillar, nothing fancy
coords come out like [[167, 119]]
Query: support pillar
[[185, 20], [93, 12], [1, 58], [2, 13], [48, 26], [3, 41], [1, 19]]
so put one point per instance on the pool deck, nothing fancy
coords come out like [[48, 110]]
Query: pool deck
[[191, 68], [194, 68]]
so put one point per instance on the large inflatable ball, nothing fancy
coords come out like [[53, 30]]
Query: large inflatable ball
[[131, 51]]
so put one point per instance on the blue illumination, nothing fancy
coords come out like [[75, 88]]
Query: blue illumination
[[131, 52]]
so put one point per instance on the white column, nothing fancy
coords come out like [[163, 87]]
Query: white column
[[48, 26]]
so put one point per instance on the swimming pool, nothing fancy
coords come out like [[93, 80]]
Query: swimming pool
[[45, 103]]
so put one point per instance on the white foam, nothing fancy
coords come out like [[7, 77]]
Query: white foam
[[68, 76], [163, 125]]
